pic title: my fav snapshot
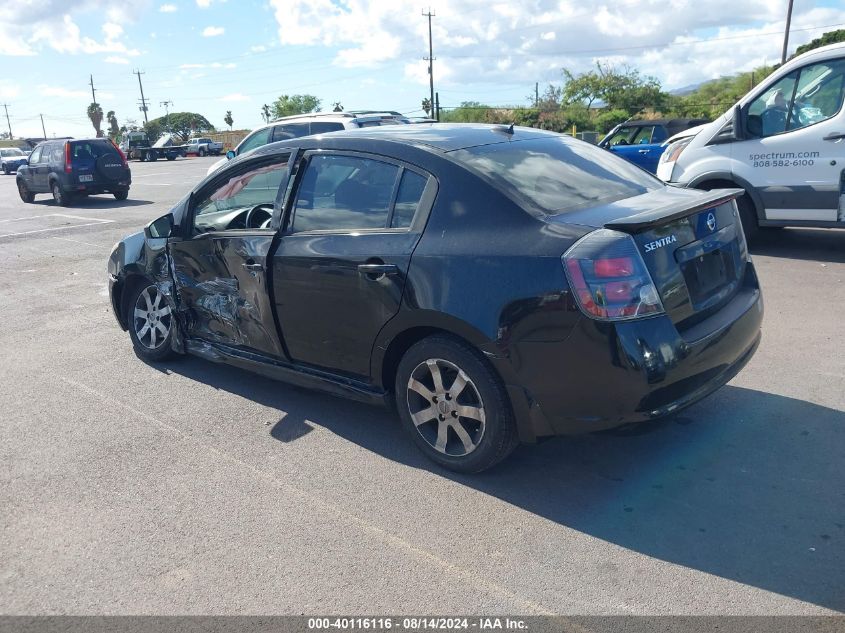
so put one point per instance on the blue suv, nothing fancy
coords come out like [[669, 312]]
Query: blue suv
[[641, 142]]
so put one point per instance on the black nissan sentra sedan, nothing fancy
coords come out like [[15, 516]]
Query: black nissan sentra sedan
[[494, 284]]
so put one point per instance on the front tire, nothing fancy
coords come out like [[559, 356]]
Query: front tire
[[748, 216], [454, 406], [151, 323], [6, 170], [201, 152]]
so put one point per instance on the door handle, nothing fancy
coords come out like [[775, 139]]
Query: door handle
[[377, 271], [834, 136], [252, 265], [643, 151]]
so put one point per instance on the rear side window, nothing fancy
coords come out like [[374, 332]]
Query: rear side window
[[57, 155], [344, 193], [290, 130], [321, 127], [557, 175], [408, 199]]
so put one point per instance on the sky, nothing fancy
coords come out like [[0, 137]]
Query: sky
[[211, 56]]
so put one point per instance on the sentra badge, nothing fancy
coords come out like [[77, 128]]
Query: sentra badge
[[663, 241]]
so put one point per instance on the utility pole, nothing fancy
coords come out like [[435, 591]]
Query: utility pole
[[537, 94], [430, 60], [437, 105], [166, 105], [143, 107], [786, 33], [43, 129], [93, 93], [6, 108]]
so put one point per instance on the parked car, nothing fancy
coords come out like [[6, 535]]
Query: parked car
[[10, 159], [203, 147], [69, 169], [641, 142], [308, 124], [497, 284], [783, 144]]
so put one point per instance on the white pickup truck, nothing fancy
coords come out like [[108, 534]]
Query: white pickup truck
[[203, 146], [783, 143]]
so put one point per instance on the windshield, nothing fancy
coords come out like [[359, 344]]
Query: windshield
[[558, 174], [8, 153]]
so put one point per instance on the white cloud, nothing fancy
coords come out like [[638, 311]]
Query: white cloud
[[213, 31], [65, 93], [115, 59], [500, 42], [235, 96], [9, 91], [168, 8], [258, 49], [203, 4], [227, 65]]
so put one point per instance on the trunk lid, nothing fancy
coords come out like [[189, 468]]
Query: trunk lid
[[691, 242]]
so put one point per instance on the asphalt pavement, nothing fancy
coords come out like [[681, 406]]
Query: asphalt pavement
[[194, 488]]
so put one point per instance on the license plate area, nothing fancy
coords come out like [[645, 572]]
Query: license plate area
[[86, 178], [707, 274]]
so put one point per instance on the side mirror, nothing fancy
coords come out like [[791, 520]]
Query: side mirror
[[160, 227], [230, 154]]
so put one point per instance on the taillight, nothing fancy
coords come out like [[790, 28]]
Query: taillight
[[68, 167], [119, 151], [609, 279]]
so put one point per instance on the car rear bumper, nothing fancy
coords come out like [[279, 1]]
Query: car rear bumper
[[610, 374]]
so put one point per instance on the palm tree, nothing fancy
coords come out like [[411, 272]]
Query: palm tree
[[95, 113], [228, 120]]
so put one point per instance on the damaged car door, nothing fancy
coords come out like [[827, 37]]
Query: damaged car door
[[221, 265]]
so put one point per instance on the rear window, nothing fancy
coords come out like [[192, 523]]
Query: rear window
[[90, 149], [558, 175]]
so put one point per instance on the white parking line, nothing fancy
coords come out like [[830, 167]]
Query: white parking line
[[65, 239], [93, 222]]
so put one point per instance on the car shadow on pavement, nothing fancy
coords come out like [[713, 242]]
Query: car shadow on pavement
[[94, 202], [746, 485], [823, 245]]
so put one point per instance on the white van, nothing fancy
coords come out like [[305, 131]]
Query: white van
[[784, 143]]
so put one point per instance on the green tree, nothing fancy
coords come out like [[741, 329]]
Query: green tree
[[265, 113], [228, 120], [182, 125], [95, 114], [831, 37], [114, 127], [288, 105], [622, 88], [467, 112]]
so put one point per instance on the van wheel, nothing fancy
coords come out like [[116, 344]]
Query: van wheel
[[454, 406], [24, 192], [748, 216], [61, 198]]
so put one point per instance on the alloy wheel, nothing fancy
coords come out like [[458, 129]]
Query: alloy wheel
[[152, 318], [451, 419]]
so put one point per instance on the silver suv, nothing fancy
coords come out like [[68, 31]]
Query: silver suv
[[307, 124]]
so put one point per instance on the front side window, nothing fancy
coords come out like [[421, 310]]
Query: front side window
[[643, 136], [257, 139], [622, 136], [558, 174], [344, 193], [804, 97], [243, 200], [35, 157]]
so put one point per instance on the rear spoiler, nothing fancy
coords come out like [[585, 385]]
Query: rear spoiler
[[661, 215]]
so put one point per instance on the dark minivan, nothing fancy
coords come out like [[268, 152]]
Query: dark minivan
[[495, 284], [69, 169]]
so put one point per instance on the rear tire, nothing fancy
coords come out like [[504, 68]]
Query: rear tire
[[454, 406], [60, 197], [171, 157], [26, 195], [151, 322], [120, 195]]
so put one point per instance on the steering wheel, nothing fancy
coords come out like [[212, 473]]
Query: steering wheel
[[250, 219]]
